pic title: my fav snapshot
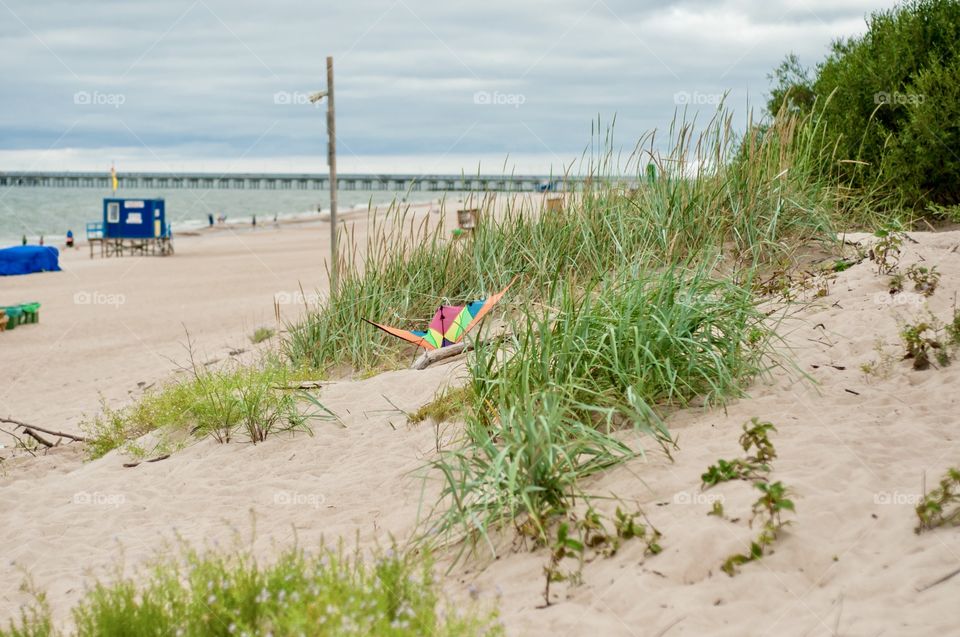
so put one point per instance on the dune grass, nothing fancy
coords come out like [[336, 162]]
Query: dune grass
[[636, 297], [329, 592], [548, 402], [749, 200]]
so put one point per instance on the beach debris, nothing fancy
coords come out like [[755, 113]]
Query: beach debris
[[130, 465]]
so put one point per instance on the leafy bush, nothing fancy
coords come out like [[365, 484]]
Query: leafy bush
[[889, 100]]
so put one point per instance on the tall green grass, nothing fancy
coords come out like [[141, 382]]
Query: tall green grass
[[547, 403], [750, 198]]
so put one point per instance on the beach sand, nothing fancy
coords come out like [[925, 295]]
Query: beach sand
[[111, 327], [853, 448]]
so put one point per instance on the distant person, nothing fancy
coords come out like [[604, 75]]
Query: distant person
[[210, 218], [24, 242], [41, 239], [254, 221], [69, 238]]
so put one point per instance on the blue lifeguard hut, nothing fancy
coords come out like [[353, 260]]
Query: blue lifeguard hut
[[134, 226]]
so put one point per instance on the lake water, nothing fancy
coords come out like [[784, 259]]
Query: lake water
[[52, 211]]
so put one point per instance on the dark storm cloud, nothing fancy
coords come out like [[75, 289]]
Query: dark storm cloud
[[412, 76]]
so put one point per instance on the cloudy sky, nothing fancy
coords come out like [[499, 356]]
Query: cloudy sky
[[420, 85]]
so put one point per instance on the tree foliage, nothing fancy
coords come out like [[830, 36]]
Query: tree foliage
[[888, 100]]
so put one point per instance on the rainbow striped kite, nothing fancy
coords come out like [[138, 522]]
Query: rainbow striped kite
[[449, 324]]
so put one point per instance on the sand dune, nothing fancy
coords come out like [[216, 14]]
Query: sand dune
[[853, 448]]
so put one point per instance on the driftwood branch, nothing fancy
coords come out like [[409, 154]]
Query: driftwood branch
[[432, 356], [43, 441], [25, 426]]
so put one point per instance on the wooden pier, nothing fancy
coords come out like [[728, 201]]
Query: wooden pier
[[302, 181]]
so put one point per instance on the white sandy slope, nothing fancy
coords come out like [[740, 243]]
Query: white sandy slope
[[853, 449]]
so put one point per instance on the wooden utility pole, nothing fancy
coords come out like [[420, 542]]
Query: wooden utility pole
[[332, 162]]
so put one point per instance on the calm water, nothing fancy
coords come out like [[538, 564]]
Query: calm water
[[52, 211]]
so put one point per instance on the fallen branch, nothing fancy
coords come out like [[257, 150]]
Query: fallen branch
[[43, 441], [23, 425], [432, 356]]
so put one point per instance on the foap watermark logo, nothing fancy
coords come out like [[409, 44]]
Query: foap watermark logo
[[496, 98], [297, 298], [900, 498], [293, 98], [697, 497], [96, 98], [98, 498], [896, 98], [903, 299], [293, 498], [85, 297], [696, 98]]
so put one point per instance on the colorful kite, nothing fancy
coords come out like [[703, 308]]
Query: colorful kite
[[449, 324]]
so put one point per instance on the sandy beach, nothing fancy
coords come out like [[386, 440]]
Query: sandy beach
[[111, 327], [855, 449]]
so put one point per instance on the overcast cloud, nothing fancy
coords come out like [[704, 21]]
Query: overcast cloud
[[442, 85]]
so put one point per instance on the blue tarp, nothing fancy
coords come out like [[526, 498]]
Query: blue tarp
[[27, 259]]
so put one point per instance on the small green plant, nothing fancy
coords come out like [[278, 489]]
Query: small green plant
[[941, 506], [918, 341], [592, 534], [895, 285], [886, 251], [756, 436], [953, 328], [925, 280], [561, 548], [447, 405], [773, 500], [261, 334], [727, 470], [768, 508]]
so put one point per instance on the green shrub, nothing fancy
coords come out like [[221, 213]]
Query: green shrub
[[889, 101]]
